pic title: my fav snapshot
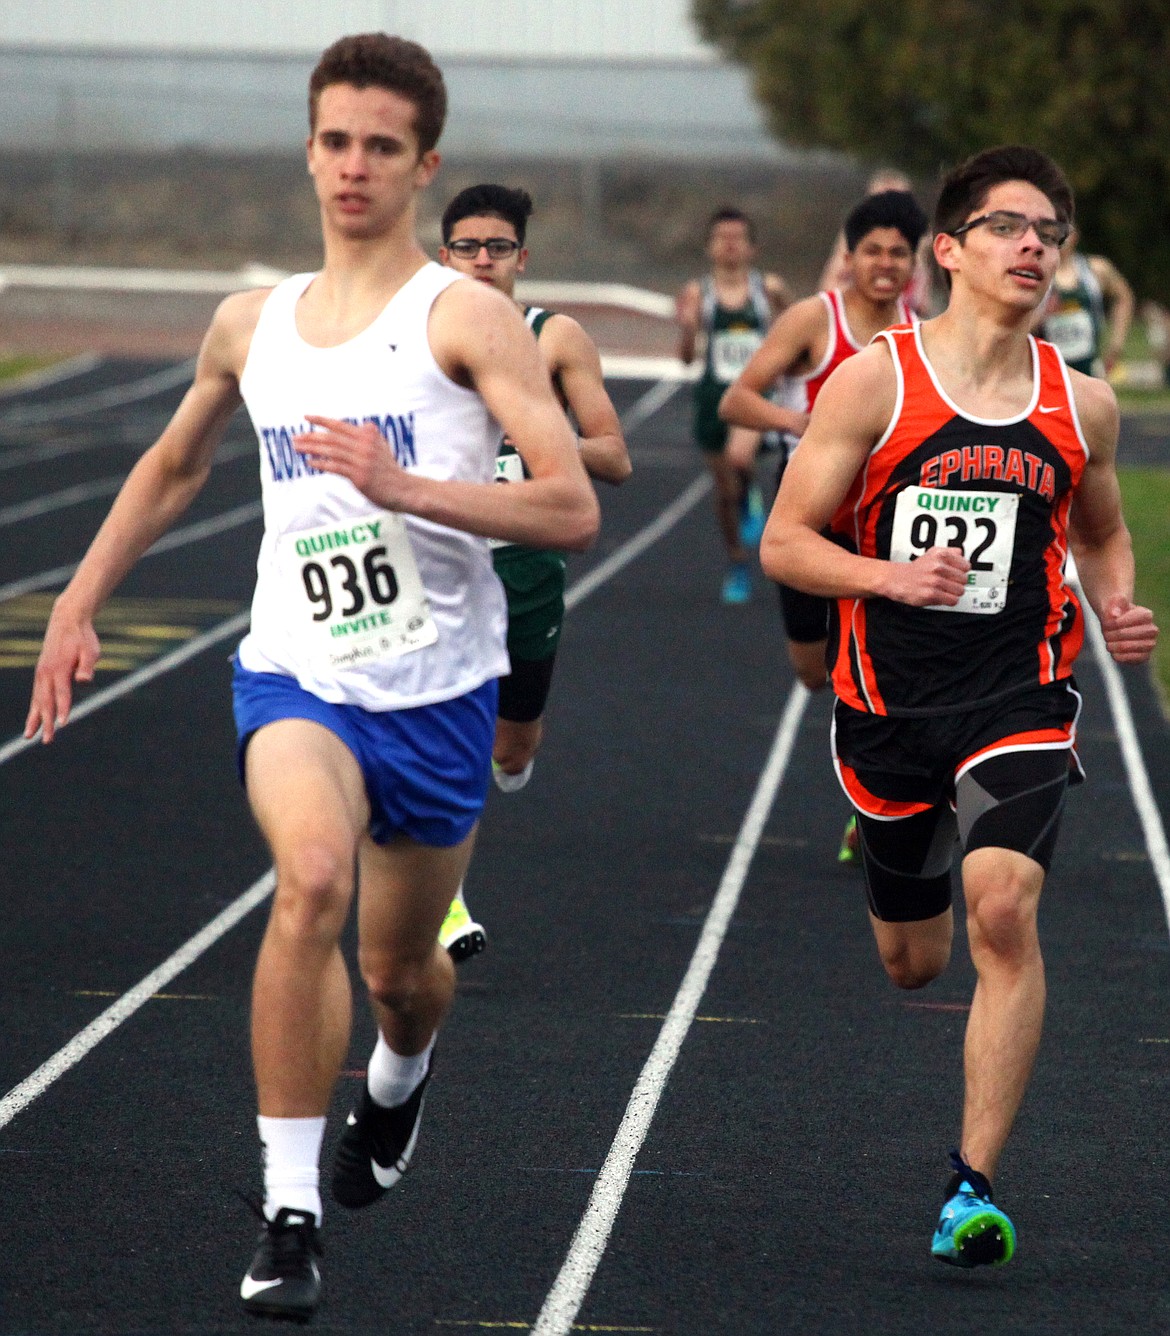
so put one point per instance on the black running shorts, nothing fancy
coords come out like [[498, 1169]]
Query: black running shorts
[[993, 777]]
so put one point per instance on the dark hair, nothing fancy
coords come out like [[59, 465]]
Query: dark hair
[[377, 60], [489, 201], [965, 188], [729, 214], [888, 208]]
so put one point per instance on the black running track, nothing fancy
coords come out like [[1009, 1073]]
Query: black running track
[[792, 1173]]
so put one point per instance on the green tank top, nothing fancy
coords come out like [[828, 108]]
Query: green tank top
[[515, 557], [733, 333], [1078, 322]]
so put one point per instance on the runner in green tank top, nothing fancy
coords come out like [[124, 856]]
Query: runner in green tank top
[[1089, 310], [728, 312], [483, 232]]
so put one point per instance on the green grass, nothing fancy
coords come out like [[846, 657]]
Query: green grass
[[18, 365], [1145, 496]]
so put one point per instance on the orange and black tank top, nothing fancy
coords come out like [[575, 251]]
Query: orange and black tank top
[[999, 489]]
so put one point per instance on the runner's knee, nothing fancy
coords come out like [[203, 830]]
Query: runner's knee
[[397, 978], [314, 885]]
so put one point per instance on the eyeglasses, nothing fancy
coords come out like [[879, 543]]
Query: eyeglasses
[[498, 248], [1012, 226]]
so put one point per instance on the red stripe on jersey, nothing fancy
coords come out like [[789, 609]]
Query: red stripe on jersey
[[870, 803]]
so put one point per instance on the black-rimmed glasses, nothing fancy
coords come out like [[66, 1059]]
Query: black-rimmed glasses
[[1012, 226], [498, 248]]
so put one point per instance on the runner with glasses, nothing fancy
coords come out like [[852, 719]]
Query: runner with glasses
[[956, 463], [484, 229]]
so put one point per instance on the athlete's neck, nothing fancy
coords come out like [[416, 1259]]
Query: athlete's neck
[[354, 285], [985, 365], [867, 317], [731, 278]]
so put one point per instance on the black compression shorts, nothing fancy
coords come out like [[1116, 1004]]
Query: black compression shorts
[[989, 778]]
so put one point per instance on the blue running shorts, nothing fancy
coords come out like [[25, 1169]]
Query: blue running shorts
[[426, 768]]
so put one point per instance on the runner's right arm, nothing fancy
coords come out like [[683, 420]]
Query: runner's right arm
[[161, 485], [688, 311], [851, 413], [786, 349]]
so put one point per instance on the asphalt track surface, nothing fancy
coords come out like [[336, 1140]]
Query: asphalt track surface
[[790, 1175]]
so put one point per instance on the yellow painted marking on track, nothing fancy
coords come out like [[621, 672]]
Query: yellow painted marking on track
[[133, 631], [661, 1016], [1154, 1041], [155, 997], [938, 1006]]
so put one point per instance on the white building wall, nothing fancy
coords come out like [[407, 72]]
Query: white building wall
[[540, 29]]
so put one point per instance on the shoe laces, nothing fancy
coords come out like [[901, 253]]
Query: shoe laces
[[287, 1241], [977, 1183]]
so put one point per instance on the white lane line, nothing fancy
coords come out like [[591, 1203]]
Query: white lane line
[[564, 1300], [114, 396], [635, 546], [647, 404], [90, 491], [189, 533], [132, 681], [1140, 787], [22, 1095]]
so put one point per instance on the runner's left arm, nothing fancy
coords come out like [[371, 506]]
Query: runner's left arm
[[1098, 534], [479, 339], [573, 358]]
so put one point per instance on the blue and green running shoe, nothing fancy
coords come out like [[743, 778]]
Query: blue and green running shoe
[[972, 1230], [751, 517], [737, 585]]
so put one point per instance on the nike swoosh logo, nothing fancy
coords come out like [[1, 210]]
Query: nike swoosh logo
[[249, 1288], [1056, 409], [385, 1178]]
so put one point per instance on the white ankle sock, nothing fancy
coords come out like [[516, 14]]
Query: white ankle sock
[[391, 1078], [507, 783], [292, 1148]]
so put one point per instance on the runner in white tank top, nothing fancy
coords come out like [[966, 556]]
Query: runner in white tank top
[[365, 699], [386, 375]]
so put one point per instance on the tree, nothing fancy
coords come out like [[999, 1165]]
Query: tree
[[924, 83]]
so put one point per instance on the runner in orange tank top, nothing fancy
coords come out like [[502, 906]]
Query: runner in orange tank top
[[958, 463]]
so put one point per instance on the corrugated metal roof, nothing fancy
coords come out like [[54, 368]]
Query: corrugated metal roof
[[571, 29]]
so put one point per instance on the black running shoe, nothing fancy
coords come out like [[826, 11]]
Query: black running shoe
[[283, 1280], [375, 1148]]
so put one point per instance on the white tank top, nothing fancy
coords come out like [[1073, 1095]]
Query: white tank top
[[360, 606]]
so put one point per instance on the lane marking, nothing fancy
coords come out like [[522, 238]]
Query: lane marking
[[558, 1315], [661, 1016], [133, 631], [22, 1095], [132, 681], [635, 546], [484, 1325], [1141, 790], [90, 491], [647, 404], [189, 533], [114, 396]]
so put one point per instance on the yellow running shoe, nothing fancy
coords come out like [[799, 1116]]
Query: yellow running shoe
[[850, 850], [460, 936]]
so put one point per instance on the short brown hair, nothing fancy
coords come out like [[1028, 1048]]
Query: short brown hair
[[965, 188], [377, 60]]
